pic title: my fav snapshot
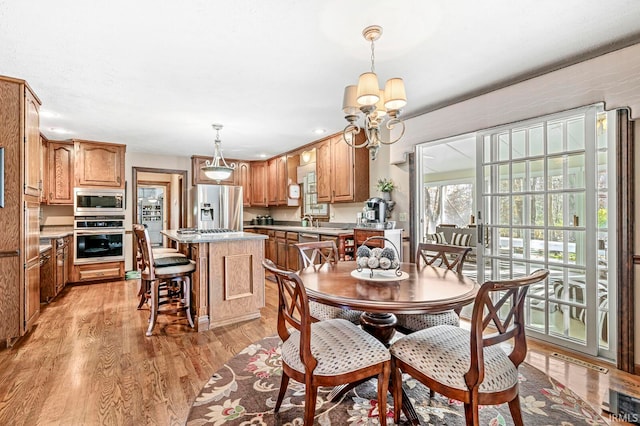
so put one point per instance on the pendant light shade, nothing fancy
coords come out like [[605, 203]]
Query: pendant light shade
[[394, 94], [368, 90]]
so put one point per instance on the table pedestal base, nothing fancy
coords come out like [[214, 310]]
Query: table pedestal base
[[381, 326]]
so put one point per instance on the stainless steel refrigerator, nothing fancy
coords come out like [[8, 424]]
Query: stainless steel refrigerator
[[216, 206]]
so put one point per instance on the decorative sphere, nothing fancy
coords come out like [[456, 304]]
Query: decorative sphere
[[376, 252], [394, 263], [363, 251], [363, 262], [373, 262], [389, 253], [385, 263]]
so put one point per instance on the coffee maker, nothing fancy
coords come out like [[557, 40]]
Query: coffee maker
[[375, 211]]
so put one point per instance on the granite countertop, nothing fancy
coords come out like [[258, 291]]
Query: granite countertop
[[56, 233], [322, 230], [45, 247], [212, 238]]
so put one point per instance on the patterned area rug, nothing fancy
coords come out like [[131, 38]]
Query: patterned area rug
[[244, 392]]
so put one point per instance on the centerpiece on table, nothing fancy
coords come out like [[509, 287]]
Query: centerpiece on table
[[383, 263]]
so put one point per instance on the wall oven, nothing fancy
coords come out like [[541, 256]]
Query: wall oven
[[98, 239], [98, 202]]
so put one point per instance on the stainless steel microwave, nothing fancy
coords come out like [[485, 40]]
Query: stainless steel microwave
[[98, 202]]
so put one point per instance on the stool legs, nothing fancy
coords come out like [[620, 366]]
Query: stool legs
[[183, 296]]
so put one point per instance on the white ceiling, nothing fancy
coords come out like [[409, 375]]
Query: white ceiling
[[155, 74]]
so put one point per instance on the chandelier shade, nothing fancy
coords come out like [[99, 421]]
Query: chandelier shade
[[373, 106], [218, 169]]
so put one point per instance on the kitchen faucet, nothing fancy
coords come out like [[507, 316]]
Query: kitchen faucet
[[309, 218]]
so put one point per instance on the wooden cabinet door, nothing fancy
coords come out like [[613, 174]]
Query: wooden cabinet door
[[44, 169], [323, 171], [99, 164], [61, 176], [32, 146], [270, 248], [198, 177], [272, 179], [281, 249], [293, 255], [259, 183], [243, 179], [342, 170], [32, 262], [281, 166]]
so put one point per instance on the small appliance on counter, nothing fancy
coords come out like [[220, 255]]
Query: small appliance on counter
[[374, 214]]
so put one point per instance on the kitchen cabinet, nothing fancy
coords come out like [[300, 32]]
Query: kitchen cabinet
[[33, 146], [272, 181], [293, 255], [342, 171], [281, 180], [243, 179], [62, 249], [47, 276], [98, 271], [32, 262], [60, 179], [270, 251], [44, 168], [19, 218], [281, 246], [393, 239], [99, 164], [259, 184], [199, 178]]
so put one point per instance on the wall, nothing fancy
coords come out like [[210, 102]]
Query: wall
[[613, 78]]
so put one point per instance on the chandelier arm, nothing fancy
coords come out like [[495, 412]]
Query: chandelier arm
[[390, 125], [352, 129]]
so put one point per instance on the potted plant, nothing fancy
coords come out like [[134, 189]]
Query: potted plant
[[386, 186]]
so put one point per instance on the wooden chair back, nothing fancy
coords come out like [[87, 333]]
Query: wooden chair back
[[318, 253], [293, 311], [145, 260], [500, 304], [443, 255]]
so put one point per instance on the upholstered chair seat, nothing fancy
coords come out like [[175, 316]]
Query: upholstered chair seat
[[323, 312], [442, 352], [332, 343], [422, 321]]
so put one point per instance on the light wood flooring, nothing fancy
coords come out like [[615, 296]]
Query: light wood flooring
[[88, 362]]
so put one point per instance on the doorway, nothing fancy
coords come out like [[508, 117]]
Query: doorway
[[172, 208], [542, 195]]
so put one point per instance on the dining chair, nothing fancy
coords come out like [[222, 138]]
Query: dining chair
[[470, 366], [164, 281], [323, 353], [442, 255], [314, 255]]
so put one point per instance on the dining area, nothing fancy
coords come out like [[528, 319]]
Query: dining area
[[341, 324]]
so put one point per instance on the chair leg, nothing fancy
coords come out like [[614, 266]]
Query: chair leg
[[310, 396], [186, 289], [383, 384], [396, 377], [142, 292], [471, 413], [516, 414], [284, 383], [153, 315]]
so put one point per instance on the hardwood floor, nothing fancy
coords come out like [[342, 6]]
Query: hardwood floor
[[87, 361]]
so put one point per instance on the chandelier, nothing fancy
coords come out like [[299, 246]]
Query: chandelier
[[378, 107], [218, 169]]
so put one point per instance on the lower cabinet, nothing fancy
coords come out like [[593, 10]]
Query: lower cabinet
[[281, 249], [47, 276], [293, 255], [98, 271]]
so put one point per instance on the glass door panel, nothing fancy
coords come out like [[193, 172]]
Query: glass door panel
[[545, 204]]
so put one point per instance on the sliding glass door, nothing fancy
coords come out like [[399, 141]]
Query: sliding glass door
[[544, 202]]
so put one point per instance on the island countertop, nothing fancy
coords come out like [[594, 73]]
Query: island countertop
[[211, 237]]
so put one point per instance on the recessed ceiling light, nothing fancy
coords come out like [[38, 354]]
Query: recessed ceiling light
[[59, 130], [319, 131]]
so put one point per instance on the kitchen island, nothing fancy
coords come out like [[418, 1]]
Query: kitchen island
[[228, 283]]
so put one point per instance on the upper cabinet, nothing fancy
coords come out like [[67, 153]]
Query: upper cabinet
[[277, 181], [32, 145], [99, 164], [259, 183], [342, 171], [60, 179], [243, 179], [198, 176]]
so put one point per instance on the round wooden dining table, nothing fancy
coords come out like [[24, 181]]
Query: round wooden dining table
[[420, 289]]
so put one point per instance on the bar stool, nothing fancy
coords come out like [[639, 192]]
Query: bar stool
[[169, 284]]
